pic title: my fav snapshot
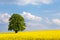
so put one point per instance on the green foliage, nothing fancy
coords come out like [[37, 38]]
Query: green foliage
[[16, 23]]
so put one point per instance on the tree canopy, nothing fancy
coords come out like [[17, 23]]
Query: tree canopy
[[16, 23]]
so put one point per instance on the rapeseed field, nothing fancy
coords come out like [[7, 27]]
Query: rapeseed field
[[32, 35]]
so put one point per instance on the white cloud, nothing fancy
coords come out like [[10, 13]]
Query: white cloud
[[35, 2], [46, 1], [56, 21], [35, 24], [26, 2], [4, 18], [29, 16]]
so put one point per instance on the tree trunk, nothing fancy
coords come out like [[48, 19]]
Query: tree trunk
[[16, 31]]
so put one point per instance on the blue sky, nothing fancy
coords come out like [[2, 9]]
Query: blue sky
[[38, 14]]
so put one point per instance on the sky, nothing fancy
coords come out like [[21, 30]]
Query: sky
[[38, 14]]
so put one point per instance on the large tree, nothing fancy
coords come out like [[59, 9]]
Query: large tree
[[16, 23]]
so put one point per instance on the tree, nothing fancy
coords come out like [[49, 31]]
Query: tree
[[16, 23]]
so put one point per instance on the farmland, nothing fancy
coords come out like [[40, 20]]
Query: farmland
[[32, 35]]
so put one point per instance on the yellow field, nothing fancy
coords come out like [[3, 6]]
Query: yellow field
[[32, 35]]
